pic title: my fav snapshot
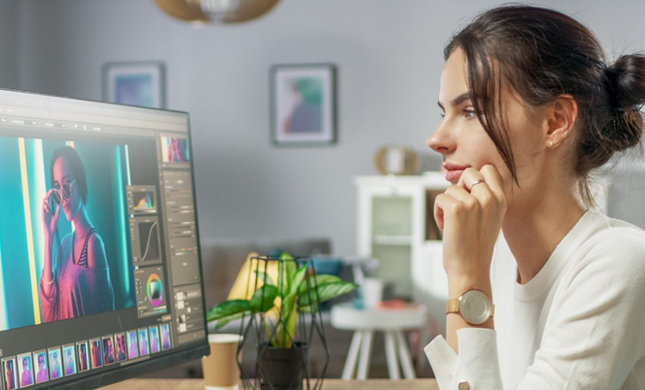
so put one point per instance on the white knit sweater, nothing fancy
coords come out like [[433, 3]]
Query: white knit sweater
[[578, 324]]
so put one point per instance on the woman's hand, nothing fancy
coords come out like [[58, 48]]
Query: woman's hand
[[50, 220], [471, 218]]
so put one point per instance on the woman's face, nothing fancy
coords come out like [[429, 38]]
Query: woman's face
[[462, 140], [63, 174]]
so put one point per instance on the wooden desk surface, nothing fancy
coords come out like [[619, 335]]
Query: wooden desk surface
[[328, 384]]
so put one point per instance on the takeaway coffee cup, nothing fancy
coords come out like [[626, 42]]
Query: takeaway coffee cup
[[221, 371]]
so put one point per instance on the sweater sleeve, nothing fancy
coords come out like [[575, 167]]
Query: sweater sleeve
[[593, 340]]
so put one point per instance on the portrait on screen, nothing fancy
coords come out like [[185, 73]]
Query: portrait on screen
[[96, 355], [83, 356], [133, 345], [25, 370], [41, 366], [121, 349], [165, 336], [175, 149], [69, 359], [10, 374], [155, 346], [65, 229], [108, 351], [55, 365], [144, 348]]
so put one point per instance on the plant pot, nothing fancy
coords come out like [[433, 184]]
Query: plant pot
[[282, 368]]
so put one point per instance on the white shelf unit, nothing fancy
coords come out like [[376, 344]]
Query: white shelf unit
[[395, 217]]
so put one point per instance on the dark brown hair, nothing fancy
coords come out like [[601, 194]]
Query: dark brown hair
[[542, 54]]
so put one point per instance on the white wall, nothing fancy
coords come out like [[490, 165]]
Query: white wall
[[389, 56], [9, 30]]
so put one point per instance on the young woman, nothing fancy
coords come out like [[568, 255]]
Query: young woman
[[79, 283], [531, 107], [42, 375]]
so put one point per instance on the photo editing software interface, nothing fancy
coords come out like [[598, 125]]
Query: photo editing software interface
[[99, 258]]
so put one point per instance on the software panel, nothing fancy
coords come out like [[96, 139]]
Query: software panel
[[100, 275]]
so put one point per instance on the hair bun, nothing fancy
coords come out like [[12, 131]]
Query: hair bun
[[626, 82]]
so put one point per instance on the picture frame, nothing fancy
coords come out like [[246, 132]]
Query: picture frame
[[303, 104], [135, 83]]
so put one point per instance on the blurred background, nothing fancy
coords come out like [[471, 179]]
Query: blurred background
[[254, 195]]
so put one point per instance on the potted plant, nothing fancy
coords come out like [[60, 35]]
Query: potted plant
[[276, 304]]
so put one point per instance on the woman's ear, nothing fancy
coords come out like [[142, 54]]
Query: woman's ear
[[561, 120]]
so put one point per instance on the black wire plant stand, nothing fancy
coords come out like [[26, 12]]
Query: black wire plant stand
[[269, 325]]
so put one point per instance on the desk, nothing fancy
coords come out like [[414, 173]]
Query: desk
[[329, 384]]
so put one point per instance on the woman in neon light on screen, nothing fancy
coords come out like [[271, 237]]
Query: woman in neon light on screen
[[78, 284]]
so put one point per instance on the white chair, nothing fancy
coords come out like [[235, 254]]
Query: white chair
[[392, 322]]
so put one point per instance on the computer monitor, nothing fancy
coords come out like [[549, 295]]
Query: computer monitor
[[100, 270]]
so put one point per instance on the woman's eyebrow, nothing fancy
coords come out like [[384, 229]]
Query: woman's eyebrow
[[457, 101]]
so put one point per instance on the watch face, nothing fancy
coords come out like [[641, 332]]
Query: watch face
[[475, 307]]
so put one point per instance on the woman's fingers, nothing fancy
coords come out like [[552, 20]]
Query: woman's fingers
[[484, 185], [462, 195], [469, 177], [57, 212], [442, 204]]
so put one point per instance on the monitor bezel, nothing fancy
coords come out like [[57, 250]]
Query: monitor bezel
[[173, 358]]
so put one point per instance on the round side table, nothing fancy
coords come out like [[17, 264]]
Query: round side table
[[364, 322]]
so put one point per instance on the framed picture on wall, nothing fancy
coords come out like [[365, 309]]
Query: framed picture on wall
[[303, 104], [135, 83]]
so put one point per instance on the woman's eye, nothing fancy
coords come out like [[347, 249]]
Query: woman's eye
[[470, 114], [442, 115]]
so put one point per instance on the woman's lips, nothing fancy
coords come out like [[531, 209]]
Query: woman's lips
[[453, 171], [454, 175]]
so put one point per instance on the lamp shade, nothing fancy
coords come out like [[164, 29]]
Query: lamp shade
[[217, 11]]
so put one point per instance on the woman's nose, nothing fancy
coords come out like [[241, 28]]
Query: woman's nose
[[441, 140]]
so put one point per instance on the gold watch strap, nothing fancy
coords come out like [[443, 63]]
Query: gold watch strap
[[453, 307]]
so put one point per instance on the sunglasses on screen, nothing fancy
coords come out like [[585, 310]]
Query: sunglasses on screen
[[62, 192]]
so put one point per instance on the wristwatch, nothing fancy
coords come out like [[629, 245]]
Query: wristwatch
[[474, 306]]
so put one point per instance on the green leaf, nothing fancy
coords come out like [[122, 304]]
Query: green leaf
[[289, 309], [291, 324], [317, 281], [228, 308], [297, 280], [223, 321], [325, 293], [265, 278], [262, 300], [287, 271]]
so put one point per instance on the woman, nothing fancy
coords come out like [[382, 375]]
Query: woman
[[82, 353], [70, 364], [55, 365], [530, 108], [10, 378], [120, 345], [26, 379], [108, 351], [41, 375], [79, 283]]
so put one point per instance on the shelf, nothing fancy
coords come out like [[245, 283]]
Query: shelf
[[392, 240]]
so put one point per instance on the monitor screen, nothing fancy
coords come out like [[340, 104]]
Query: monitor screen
[[100, 274]]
